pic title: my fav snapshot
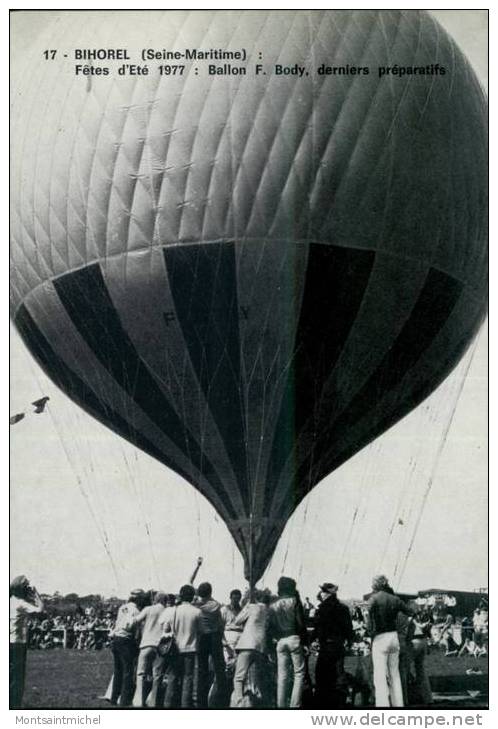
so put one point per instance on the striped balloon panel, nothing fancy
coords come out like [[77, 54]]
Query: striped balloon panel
[[253, 369]]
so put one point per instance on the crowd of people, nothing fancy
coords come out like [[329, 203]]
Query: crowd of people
[[469, 636], [88, 631], [258, 650]]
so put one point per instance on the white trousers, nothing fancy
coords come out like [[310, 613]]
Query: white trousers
[[387, 681], [290, 672]]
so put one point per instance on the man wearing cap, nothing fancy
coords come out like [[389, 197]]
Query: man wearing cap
[[383, 609], [24, 601], [333, 628], [124, 648], [149, 661]]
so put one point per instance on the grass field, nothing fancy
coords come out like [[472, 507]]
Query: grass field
[[75, 679]]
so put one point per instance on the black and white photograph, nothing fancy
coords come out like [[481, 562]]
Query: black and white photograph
[[249, 361]]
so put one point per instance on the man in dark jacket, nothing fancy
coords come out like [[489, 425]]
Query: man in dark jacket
[[210, 646], [333, 629]]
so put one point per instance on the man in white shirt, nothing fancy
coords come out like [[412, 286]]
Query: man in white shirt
[[231, 636], [232, 632], [124, 649], [252, 650], [149, 661], [24, 601]]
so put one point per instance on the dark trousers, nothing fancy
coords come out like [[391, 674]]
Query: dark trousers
[[210, 645], [180, 674], [124, 652], [405, 662], [330, 690], [17, 673]]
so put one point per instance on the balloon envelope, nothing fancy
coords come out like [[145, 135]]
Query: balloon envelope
[[250, 276]]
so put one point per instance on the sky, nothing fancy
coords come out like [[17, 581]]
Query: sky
[[90, 513]]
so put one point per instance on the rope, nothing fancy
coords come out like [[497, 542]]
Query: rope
[[99, 527], [437, 459]]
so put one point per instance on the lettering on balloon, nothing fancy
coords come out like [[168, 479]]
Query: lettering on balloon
[[170, 316]]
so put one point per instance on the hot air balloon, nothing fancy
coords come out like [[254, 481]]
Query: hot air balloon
[[250, 277]]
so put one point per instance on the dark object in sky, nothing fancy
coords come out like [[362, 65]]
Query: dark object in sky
[[250, 278], [40, 404], [16, 418]]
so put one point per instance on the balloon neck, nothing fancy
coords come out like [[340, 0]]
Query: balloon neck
[[250, 533]]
